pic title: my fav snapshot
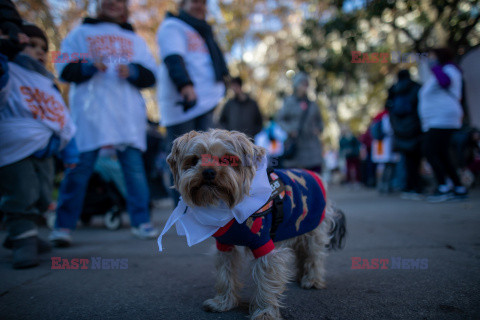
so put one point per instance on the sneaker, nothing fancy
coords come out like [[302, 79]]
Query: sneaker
[[145, 231], [61, 237], [439, 196], [460, 193]]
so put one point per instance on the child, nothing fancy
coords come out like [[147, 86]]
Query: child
[[35, 124], [109, 110]]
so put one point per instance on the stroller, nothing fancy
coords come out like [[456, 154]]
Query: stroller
[[105, 194], [103, 197]]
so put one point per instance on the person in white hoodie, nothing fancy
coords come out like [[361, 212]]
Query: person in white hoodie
[[107, 64], [192, 73], [35, 124], [441, 115]]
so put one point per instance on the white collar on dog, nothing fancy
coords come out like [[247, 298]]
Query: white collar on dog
[[198, 223]]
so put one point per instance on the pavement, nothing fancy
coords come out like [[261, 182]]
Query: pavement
[[445, 284]]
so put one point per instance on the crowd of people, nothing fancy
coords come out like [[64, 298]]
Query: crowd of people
[[421, 129], [107, 115]]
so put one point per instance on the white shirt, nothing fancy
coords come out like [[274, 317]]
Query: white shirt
[[108, 110], [440, 108], [33, 112], [176, 37]]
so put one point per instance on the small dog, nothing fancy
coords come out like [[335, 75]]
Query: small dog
[[296, 223]]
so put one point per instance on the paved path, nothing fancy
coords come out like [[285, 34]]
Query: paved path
[[173, 284]]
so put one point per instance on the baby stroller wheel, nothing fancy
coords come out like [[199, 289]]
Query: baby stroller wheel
[[113, 220]]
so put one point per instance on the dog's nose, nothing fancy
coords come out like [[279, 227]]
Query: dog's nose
[[209, 174]]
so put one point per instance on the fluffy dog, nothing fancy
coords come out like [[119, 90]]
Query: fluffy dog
[[220, 167]]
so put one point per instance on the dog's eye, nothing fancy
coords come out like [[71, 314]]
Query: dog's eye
[[190, 162]]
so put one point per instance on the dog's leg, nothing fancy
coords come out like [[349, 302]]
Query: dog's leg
[[227, 282], [271, 273], [314, 255]]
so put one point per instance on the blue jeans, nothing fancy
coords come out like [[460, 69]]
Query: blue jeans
[[74, 187]]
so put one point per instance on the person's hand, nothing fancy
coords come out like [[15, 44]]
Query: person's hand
[[123, 71], [100, 65], [188, 93], [23, 38]]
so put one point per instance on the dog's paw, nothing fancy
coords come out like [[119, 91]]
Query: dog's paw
[[312, 283], [219, 304], [270, 314]]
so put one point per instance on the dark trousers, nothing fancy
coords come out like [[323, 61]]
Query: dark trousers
[[353, 169], [25, 192], [413, 160], [436, 147]]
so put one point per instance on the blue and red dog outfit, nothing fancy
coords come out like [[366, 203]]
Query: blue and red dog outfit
[[304, 203]]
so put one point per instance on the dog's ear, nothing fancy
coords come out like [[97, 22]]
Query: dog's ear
[[176, 153], [247, 148]]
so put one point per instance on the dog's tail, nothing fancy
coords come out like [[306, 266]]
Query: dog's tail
[[338, 228]]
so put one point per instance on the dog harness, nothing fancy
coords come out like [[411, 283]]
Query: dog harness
[[296, 206]]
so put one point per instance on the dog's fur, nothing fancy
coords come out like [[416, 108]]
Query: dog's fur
[[271, 272]]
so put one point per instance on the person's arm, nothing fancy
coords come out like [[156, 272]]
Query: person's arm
[[442, 78], [78, 72], [141, 69], [70, 154], [455, 76], [177, 70], [139, 76], [70, 65], [173, 48]]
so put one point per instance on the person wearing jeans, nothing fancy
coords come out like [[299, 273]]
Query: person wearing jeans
[[74, 186], [108, 109]]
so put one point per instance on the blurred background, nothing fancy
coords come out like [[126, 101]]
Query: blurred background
[[267, 42]]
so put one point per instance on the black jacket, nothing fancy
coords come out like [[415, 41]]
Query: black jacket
[[402, 106]]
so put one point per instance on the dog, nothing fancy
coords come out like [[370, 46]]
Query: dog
[[224, 168]]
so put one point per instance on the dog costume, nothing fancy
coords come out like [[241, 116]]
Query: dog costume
[[297, 206], [291, 201]]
